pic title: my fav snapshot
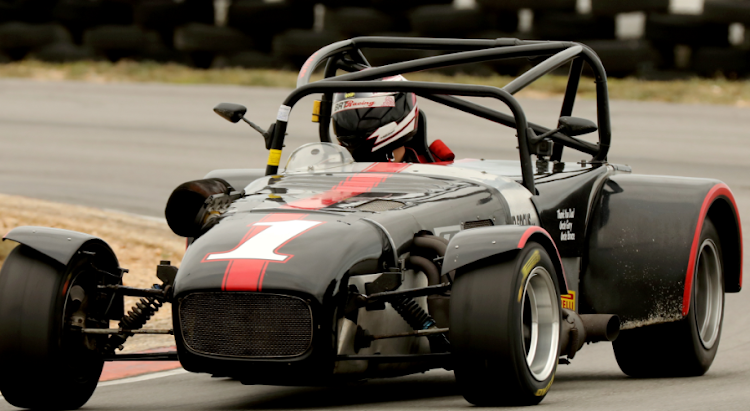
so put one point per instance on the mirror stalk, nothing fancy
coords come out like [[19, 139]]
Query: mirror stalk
[[255, 126]]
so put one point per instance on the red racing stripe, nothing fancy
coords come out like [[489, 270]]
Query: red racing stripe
[[716, 191], [354, 185], [386, 168], [247, 274]]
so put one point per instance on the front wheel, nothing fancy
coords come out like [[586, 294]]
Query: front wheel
[[44, 362], [505, 329], [687, 347]]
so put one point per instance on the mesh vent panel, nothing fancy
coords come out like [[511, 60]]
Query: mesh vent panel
[[475, 224], [246, 324], [380, 205]]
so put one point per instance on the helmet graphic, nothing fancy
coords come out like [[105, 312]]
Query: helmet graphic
[[372, 125]]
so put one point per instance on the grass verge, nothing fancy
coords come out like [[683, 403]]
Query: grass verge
[[696, 90], [138, 243]]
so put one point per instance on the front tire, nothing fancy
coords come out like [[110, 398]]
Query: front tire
[[45, 364], [687, 347], [505, 329]]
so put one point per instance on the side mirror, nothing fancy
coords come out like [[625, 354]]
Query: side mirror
[[575, 126], [231, 112]]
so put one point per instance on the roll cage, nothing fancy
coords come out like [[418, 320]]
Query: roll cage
[[347, 56]]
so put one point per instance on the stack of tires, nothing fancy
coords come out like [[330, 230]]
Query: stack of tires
[[445, 20], [730, 60], [624, 57], [70, 30], [283, 33]]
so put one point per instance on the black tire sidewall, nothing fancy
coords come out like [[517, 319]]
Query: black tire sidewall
[[33, 290], [701, 357], [486, 320], [524, 376]]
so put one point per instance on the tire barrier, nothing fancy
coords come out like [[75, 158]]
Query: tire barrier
[[283, 33], [614, 7]]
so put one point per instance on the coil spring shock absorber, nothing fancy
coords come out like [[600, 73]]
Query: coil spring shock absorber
[[418, 319], [136, 318]]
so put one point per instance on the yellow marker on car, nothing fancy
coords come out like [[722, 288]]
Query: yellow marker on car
[[316, 111], [274, 157]]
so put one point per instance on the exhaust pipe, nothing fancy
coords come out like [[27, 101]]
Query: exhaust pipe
[[601, 327], [580, 329]]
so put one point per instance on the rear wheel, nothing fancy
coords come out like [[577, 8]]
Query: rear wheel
[[45, 362], [687, 347], [505, 329]]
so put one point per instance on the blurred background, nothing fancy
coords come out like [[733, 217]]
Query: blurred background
[[651, 39]]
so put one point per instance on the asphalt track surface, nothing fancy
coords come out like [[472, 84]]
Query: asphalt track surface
[[125, 147]]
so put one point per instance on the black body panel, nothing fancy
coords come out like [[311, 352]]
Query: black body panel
[[471, 246], [640, 240], [564, 208], [68, 248], [300, 273], [56, 243]]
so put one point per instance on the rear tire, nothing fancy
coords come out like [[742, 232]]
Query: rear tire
[[505, 329], [687, 347], [45, 364]]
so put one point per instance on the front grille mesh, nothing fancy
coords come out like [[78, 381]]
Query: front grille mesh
[[246, 324]]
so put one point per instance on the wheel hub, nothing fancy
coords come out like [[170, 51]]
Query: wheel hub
[[707, 293], [540, 323]]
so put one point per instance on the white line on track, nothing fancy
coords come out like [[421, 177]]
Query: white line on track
[[142, 377]]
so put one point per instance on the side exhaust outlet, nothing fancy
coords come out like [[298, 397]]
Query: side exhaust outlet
[[580, 329], [601, 327]]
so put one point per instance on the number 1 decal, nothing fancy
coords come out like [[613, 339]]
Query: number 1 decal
[[264, 239]]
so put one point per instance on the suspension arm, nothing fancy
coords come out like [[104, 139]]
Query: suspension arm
[[135, 292], [147, 356], [112, 331], [412, 292]]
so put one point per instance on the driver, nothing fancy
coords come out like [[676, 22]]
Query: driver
[[375, 127]]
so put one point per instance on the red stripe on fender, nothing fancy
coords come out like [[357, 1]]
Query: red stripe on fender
[[536, 229], [716, 191]]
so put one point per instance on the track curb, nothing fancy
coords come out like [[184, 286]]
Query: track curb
[[123, 369]]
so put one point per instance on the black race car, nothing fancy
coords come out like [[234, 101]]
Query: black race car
[[336, 270]]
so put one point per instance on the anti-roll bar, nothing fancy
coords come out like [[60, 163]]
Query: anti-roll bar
[[419, 88]]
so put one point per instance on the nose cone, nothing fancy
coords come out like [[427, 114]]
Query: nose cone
[[281, 251]]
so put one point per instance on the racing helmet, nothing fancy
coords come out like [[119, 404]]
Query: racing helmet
[[372, 125]]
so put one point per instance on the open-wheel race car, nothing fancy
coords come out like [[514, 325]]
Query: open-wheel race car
[[347, 267]]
